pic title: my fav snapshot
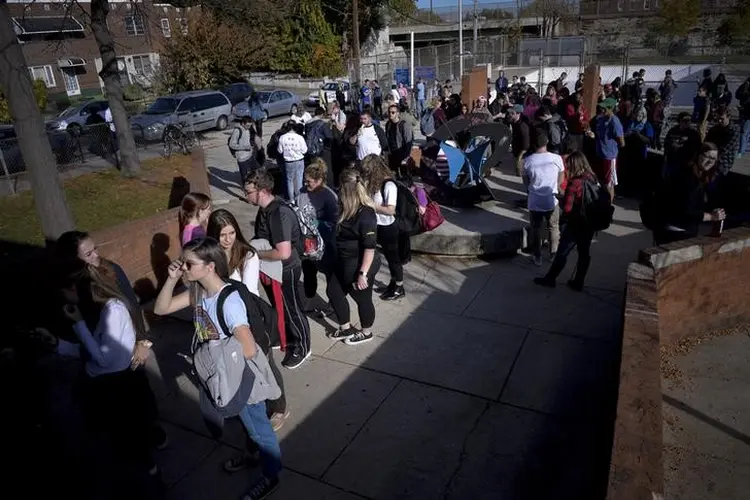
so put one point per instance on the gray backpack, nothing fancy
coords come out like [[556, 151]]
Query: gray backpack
[[228, 380]]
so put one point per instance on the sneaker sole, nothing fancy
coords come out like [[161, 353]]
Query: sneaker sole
[[391, 299], [364, 341], [300, 363]]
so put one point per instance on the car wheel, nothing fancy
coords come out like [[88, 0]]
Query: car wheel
[[222, 123], [75, 130], [293, 110], [265, 113]]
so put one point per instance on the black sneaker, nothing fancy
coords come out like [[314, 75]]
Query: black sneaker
[[359, 338], [384, 288], [344, 334], [262, 489], [395, 293], [294, 359], [544, 282], [241, 462]]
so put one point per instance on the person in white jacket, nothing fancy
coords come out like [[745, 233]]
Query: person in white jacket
[[118, 401]]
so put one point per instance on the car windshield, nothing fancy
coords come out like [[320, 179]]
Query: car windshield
[[263, 96], [162, 106], [68, 112], [330, 86]]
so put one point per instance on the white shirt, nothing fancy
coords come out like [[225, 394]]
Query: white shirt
[[542, 171], [110, 347], [391, 195], [368, 142], [306, 117], [292, 146], [395, 94], [249, 274]]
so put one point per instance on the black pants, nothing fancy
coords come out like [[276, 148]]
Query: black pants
[[388, 239], [245, 167], [310, 278], [573, 237], [341, 284], [259, 128], [297, 326]]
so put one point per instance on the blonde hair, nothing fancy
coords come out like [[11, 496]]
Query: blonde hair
[[375, 172], [317, 170], [352, 195]]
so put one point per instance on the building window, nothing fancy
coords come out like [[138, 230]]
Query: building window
[[650, 4], [134, 25], [183, 25], [166, 31], [142, 65], [71, 81], [43, 73]]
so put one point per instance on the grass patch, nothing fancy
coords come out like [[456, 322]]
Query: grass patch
[[98, 200]]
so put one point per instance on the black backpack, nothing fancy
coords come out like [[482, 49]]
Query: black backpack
[[315, 140], [272, 149], [596, 205], [407, 209], [262, 317]]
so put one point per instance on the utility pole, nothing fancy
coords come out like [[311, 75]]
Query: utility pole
[[460, 40], [475, 47], [355, 42]]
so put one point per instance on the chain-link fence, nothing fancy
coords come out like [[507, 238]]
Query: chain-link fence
[[72, 149]]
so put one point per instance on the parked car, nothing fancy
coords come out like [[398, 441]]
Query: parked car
[[238, 92], [328, 91], [64, 146], [75, 118], [273, 102], [199, 110]]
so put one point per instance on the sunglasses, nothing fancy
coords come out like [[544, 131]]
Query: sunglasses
[[189, 265]]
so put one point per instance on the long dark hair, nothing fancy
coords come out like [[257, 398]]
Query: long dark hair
[[66, 251], [217, 221], [705, 176]]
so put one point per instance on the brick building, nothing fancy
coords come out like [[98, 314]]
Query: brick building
[[60, 48]]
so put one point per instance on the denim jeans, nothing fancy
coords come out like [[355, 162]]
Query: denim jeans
[[420, 107], [259, 429], [744, 135], [294, 174]]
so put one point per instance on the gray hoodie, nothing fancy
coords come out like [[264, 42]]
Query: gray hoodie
[[241, 143]]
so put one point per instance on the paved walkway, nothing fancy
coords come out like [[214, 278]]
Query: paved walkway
[[478, 385]]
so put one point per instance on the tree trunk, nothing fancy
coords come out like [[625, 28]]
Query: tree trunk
[[15, 83], [129, 165]]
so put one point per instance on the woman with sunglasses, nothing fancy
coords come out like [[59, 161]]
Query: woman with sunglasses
[[204, 266]]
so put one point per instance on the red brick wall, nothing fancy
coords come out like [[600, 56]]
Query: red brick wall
[[145, 247], [673, 292]]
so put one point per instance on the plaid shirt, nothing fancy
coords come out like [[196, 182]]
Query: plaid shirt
[[574, 193]]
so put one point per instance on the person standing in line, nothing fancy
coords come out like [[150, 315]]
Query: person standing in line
[[257, 114], [277, 223], [421, 97], [366, 95], [245, 144], [610, 137], [702, 110], [576, 232], [521, 134], [399, 134], [501, 84], [743, 97], [667, 89], [370, 139], [377, 98], [395, 246], [357, 263], [726, 136], [292, 149], [543, 175], [204, 266], [194, 211], [337, 116], [319, 139]]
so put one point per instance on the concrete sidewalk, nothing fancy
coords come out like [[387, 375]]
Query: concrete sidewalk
[[478, 385]]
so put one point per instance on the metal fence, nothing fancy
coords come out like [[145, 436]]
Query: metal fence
[[442, 61], [94, 144]]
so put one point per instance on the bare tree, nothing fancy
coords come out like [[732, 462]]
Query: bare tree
[[15, 83], [550, 13], [129, 165]]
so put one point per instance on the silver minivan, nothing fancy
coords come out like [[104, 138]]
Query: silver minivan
[[199, 109]]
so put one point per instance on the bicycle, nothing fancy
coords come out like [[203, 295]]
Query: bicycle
[[176, 136]]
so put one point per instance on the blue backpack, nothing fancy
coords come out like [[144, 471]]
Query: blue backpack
[[427, 122]]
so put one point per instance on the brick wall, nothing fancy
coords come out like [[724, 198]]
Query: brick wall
[[672, 292], [145, 247]]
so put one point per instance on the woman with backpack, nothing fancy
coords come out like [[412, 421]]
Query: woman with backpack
[[576, 233], [117, 399], [395, 245], [356, 262], [204, 266]]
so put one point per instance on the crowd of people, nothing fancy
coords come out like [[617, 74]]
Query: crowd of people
[[350, 170]]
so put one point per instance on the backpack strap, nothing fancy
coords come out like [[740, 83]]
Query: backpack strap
[[255, 315], [223, 294]]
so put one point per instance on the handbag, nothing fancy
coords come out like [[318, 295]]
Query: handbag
[[432, 217]]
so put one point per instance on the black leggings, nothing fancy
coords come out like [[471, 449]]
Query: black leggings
[[388, 239], [338, 288]]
